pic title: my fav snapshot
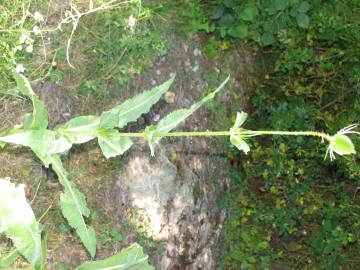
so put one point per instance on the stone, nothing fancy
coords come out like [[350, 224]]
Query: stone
[[170, 97]]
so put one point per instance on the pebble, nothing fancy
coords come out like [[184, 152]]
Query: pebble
[[156, 117], [169, 97], [197, 52]]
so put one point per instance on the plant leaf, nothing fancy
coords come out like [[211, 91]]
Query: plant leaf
[[240, 119], [131, 258], [18, 221], [80, 129], [342, 145], [133, 108], [73, 206], [23, 85], [9, 131], [239, 143], [112, 144], [38, 119], [173, 119], [42, 141], [303, 20]]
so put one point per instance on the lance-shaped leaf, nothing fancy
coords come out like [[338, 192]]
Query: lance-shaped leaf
[[131, 258], [18, 221], [112, 144], [239, 143], [133, 108], [80, 129], [42, 141], [173, 119], [235, 137], [23, 85], [9, 131], [38, 119], [73, 206]]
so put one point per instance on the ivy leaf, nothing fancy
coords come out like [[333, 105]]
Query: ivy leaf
[[131, 258], [303, 20], [267, 38], [240, 31], [18, 221], [133, 108], [112, 144], [80, 129], [304, 7], [249, 13], [173, 119], [73, 206]]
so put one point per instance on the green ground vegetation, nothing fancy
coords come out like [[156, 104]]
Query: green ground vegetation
[[288, 209]]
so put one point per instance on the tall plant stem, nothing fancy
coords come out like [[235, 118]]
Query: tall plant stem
[[244, 133]]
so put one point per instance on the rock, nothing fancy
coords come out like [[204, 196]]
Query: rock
[[174, 201], [170, 97], [197, 52]]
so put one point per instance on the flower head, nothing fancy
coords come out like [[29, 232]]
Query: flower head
[[38, 17], [341, 144], [36, 30], [19, 68], [30, 48], [23, 38]]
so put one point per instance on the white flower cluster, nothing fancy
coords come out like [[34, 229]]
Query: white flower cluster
[[26, 41]]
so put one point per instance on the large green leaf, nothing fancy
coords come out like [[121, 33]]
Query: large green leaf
[[38, 119], [23, 85], [173, 119], [133, 108], [112, 144], [18, 221], [9, 131], [80, 129], [42, 141], [131, 258], [73, 206]]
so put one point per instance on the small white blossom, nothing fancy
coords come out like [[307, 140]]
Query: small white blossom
[[23, 38], [18, 48], [38, 16], [30, 48], [29, 41], [36, 30], [19, 68], [131, 22]]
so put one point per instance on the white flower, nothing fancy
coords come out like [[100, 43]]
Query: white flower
[[23, 38], [131, 21], [19, 68], [38, 16], [30, 48], [29, 41], [18, 48], [36, 30]]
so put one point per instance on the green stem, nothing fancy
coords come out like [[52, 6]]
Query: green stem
[[245, 133]]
